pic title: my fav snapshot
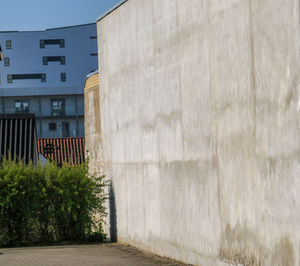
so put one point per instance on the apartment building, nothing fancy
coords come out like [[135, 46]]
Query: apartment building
[[43, 73]]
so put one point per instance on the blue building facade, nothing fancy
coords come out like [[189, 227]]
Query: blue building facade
[[43, 72]]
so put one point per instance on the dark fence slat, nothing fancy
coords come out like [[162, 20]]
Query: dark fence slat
[[17, 137]]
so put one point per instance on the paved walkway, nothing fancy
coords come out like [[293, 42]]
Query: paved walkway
[[103, 254]]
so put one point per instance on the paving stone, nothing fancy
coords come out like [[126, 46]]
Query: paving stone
[[101, 254]]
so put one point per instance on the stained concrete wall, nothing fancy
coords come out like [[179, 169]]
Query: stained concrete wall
[[92, 122], [201, 128]]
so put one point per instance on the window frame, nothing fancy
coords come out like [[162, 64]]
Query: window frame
[[51, 124], [21, 109], [8, 44], [47, 59], [6, 62], [63, 77], [44, 42], [55, 109]]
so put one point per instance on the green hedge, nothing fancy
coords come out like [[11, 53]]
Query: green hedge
[[49, 204]]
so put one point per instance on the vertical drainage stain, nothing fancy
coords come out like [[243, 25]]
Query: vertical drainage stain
[[283, 254], [241, 246]]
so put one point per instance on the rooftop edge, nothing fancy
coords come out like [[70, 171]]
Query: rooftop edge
[[111, 10], [65, 27]]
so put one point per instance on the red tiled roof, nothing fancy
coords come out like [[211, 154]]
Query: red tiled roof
[[62, 150]]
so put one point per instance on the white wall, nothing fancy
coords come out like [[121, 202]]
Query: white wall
[[200, 128]]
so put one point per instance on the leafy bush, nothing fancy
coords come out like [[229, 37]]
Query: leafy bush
[[49, 204]]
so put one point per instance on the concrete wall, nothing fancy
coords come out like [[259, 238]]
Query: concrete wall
[[92, 122], [201, 128]]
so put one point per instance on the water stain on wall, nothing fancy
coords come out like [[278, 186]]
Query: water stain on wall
[[239, 246], [283, 254]]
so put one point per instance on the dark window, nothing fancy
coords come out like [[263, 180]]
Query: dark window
[[8, 44], [12, 77], [93, 37], [61, 59], [65, 130], [6, 61], [43, 77], [63, 77], [21, 106], [52, 126], [94, 54], [60, 42], [58, 107]]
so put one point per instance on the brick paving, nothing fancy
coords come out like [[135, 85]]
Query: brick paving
[[102, 254]]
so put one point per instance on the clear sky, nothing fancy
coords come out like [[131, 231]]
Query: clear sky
[[43, 14]]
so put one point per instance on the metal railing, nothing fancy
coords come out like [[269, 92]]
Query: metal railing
[[18, 137]]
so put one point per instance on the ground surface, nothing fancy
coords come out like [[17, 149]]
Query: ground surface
[[103, 254]]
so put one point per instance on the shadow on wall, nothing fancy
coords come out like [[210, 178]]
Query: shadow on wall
[[113, 215]]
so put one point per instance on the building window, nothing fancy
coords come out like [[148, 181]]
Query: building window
[[6, 61], [58, 107], [52, 126], [8, 44], [43, 77], [63, 77], [94, 54], [60, 42], [61, 59], [21, 106], [11, 77], [65, 130]]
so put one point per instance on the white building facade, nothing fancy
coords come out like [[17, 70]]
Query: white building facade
[[43, 72]]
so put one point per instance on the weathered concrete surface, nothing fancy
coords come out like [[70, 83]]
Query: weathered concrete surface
[[92, 123], [200, 121]]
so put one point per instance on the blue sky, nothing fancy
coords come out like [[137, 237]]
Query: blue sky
[[44, 14]]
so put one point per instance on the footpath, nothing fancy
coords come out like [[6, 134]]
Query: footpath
[[101, 254]]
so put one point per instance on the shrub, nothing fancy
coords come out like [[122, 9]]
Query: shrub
[[49, 204]]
